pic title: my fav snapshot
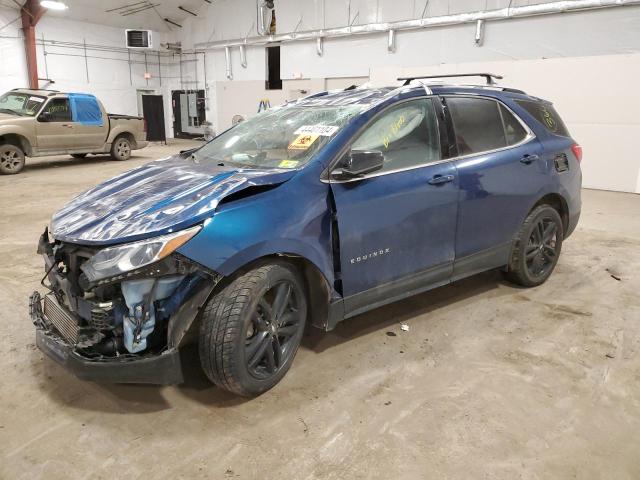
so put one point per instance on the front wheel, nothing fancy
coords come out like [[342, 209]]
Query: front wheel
[[121, 149], [250, 330], [536, 247], [11, 159]]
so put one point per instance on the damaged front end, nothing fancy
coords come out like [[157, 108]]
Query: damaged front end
[[119, 314]]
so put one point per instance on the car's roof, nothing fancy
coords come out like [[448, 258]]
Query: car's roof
[[365, 95]]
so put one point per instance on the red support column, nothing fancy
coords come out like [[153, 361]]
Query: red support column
[[31, 13]]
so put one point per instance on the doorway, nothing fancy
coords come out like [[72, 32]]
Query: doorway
[[153, 113]]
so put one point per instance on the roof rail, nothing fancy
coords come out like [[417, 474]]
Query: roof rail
[[488, 76]]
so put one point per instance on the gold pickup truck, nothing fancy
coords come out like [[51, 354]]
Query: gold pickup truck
[[37, 123]]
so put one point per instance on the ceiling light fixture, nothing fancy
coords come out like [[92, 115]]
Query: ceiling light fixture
[[53, 5]]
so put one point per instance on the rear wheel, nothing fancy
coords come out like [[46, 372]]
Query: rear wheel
[[251, 330], [11, 159], [537, 247], [121, 149], [78, 155]]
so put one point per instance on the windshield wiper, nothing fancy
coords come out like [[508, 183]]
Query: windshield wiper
[[8, 110]]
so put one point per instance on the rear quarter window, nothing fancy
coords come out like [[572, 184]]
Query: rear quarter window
[[546, 115]]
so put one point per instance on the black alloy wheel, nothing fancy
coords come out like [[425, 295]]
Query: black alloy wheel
[[250, 329], [540, 253], [270, 336], [536, 247]]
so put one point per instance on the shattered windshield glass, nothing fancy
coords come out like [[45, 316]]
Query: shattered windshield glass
[[285, 137], [20, 104]]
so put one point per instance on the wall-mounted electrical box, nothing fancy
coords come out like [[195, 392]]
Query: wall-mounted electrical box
[[138, 39]]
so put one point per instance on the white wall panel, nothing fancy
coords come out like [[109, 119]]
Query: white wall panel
[[13, 65]]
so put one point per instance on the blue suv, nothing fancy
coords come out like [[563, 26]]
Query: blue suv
[[309, 213]]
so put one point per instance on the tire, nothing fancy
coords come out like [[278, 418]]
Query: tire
[[532, 261], [11, 159], [121, 149], [247, 339], [78, 155]]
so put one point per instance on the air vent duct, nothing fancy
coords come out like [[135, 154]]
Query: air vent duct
[[138, 39]]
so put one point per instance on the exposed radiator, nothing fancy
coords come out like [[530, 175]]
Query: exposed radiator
[[60, 319]]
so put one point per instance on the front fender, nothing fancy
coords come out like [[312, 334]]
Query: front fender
[[20, 131], [291, 219]]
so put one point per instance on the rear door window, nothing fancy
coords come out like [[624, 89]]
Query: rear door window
[[545, 114], [483, 125], [513, 129], [477, 124]]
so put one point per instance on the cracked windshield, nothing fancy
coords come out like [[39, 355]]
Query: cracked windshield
[[286, 137]]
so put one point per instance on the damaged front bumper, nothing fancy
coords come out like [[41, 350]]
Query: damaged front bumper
[[160, 369], [84, 326]]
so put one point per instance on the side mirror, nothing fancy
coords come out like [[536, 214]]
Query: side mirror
[[361, 162], [45, 117]]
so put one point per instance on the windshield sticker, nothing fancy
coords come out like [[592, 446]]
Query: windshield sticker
[[302, 142], [322, 130], [36, 99], [288, 164]]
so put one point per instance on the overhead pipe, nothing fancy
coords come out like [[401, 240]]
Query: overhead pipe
[[262, 28], [420, 23], [227, 59], [243, 56], [479, 33]]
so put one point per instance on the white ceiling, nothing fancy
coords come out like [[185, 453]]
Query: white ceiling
[[110, 12]]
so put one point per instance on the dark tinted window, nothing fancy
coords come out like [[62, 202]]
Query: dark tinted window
[[513, 129], [59, 110], [477, 123], [406, 134], [546, 115]]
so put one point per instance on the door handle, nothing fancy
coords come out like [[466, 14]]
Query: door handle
[[440, 179], [67, 125], [529, 159]]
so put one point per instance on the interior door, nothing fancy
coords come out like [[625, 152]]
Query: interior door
[[54, 127], [397, 225]]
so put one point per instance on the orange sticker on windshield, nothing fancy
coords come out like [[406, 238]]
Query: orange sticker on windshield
[[302, 142]]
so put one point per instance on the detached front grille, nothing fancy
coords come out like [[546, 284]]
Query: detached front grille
[[60, 319]]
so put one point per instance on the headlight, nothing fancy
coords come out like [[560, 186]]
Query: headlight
[[124, 258]]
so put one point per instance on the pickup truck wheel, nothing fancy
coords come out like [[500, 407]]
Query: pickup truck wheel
[[536, 247], [11, 159], [250, 330], [78, 155], [121, 149]]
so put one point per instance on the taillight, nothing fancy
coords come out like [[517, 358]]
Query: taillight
[[577, 151]]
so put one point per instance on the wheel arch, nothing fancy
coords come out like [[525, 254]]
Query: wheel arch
[[317, 285], [124, 133], [559, 203], [17, 140], [317, 288]]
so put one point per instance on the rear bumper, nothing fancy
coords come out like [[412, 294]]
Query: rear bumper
[[573, 223], [141, 144], [160, 369]]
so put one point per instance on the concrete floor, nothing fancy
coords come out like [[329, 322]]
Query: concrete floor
[[491, 381]]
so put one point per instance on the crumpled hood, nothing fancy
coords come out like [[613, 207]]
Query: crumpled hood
[[156, 198]]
